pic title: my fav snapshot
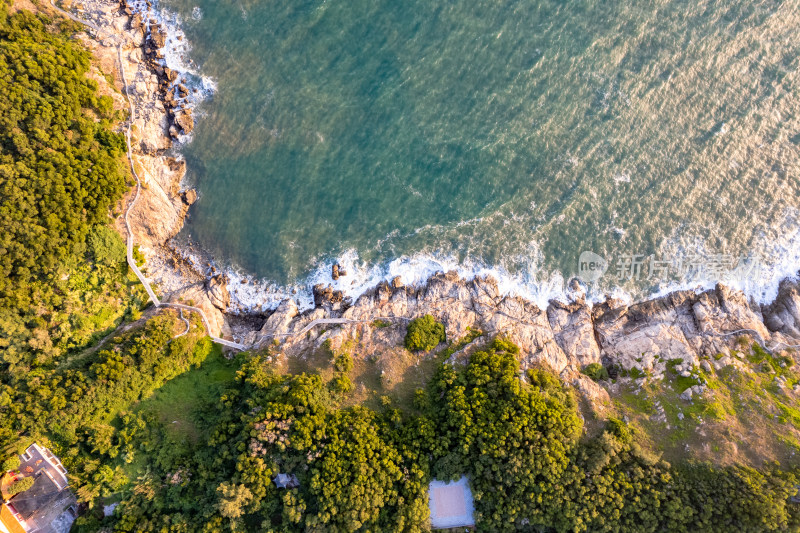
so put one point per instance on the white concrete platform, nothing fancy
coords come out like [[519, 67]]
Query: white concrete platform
[[451, 504]]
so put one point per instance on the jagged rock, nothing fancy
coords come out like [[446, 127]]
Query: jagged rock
[[596, 396], [176, 165], [136, 22], [279, 321], [573, 330], [158, 36], [185, 121], [326, 295], [687, 394], [575, 291], [218, 292], [335, 272], [633, 336], [183, 91], [196, 295], [190, 197], [783, 315], [173, 132], [705, 365], [723, 362]]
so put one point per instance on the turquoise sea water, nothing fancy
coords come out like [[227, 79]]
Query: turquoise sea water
[[494, 133]]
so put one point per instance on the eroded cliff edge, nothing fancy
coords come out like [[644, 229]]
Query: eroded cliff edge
[[132, 32], [687, 326], [565, 336]]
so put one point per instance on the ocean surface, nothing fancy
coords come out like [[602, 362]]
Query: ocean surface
[[399, 138]]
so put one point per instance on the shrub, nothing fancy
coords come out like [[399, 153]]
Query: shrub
[[596, 371], [106, 246], [424, 333], [12, 463], [342, 384], [343, 362], [502, 344], [619, 429], [21, 485]]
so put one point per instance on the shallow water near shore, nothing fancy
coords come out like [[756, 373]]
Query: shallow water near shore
[[497, 137]]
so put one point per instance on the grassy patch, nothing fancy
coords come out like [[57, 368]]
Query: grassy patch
[[179, 401]]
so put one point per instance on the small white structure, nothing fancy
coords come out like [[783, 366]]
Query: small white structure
[[286, 481], [451, 504]]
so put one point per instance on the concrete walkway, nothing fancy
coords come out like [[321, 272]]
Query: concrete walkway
[[129, 253]]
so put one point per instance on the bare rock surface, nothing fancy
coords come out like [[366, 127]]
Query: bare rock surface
[[161, 207], [566, 337], [197, 295]]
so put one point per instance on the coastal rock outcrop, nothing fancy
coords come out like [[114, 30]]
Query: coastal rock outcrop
[[574, 331], [783, 314], [327, 296], [197, 295], [217, 288], [189, 196], [183, 119], [566, 337]]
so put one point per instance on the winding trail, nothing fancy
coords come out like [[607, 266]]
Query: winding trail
[[129, 254], [322, 321]]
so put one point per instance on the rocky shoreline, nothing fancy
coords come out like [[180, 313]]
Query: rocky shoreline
[[163, 103], [697, 328]]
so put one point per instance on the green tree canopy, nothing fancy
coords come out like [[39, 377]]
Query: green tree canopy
[[61, 168], [424, 333]]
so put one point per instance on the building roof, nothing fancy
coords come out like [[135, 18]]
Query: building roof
[[44, 504], [43, 493], [9, 523], [38, 459], [450, 504]]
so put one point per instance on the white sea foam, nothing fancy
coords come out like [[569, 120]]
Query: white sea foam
[[779, 249], [538, 287], [176, 52], [260, 295]]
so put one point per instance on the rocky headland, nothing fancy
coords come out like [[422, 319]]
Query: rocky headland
[[695, 328]]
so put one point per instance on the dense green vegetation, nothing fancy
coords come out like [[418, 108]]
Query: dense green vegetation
[[64, 283], [424, 333], [517, 438], [60, 164], [62, 168]]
